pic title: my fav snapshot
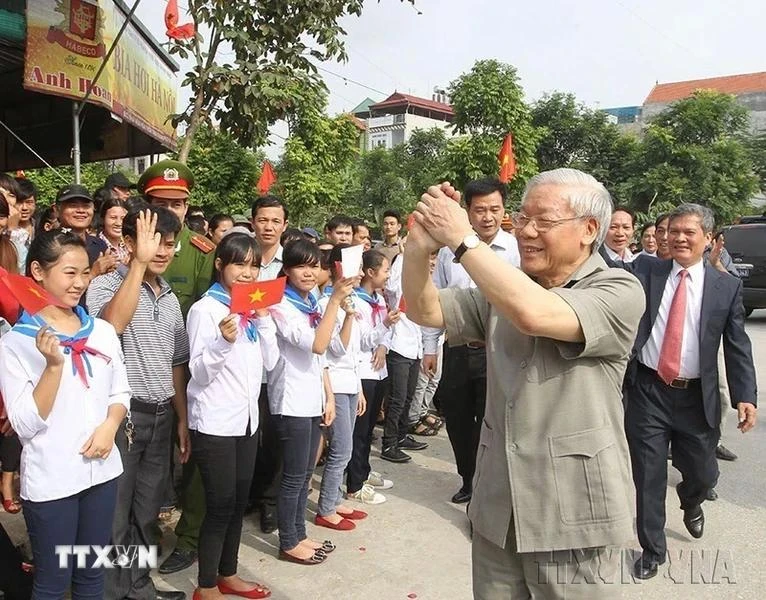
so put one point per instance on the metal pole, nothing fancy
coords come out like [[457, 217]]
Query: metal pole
[[76, 141], [108, 56]]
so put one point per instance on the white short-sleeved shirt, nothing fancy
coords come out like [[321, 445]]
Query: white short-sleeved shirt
[[226, 378], [405, 337], [51, 464], [296, 385]]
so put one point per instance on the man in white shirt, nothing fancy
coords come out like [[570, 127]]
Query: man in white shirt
[[463, 387], [619, 235], [269, 220]]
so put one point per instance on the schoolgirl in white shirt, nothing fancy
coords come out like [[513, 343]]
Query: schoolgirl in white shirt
[[66, 392], [361, 481], [343, 370], [228, 353], [300, 394]]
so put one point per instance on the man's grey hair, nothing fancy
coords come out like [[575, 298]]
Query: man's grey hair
[[707, 219], [586, 196]]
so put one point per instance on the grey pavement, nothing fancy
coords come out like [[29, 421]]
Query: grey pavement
[[417, 545]]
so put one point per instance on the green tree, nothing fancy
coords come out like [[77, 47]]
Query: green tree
[[489, 103], [424, 160], [318, 166], [225, 173], [383, 184], [48, 182], [695, 151], [274, 45], [576, 136]]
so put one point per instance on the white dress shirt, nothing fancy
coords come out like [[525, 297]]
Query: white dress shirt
[[226, 378], [627, 255], [51, 464], [690, 348], [449, 274], [372, 336], [296, 385], [405, 337]]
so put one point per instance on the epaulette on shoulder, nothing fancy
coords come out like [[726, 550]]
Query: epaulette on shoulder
[[202, 244]]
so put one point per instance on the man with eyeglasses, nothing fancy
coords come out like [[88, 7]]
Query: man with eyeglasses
[[552, 488], [462, 390]]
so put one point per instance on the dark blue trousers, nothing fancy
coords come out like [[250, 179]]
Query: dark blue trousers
[[83, 519]]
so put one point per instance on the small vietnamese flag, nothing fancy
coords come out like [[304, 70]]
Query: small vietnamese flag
[[267, 178], [507, 160], [246, 297], [29, 294]]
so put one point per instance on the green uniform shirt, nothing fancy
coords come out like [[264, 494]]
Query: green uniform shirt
[[191, 271]]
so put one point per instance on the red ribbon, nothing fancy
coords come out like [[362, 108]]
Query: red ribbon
[[377, 311], [78, 348]]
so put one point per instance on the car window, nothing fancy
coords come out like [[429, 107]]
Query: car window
[[746, 240]]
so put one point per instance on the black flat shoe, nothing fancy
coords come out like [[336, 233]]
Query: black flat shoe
[[178, 561], [395, 455], [169, 595], [694, 519], [462, 496], [646, 567], [712, 495], [317, 558]]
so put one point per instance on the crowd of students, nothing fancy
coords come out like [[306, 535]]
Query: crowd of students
[[99, 385]]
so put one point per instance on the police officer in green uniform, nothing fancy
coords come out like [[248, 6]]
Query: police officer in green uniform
[[168, 183]]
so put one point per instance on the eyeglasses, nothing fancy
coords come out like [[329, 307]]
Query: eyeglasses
[[520, 221]]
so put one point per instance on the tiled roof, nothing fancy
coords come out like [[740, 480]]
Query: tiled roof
[[732, 84], [397, 99]]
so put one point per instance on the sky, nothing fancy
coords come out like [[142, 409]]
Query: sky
[[607, 52]]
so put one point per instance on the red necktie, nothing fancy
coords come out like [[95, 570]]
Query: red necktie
[[669, 365]]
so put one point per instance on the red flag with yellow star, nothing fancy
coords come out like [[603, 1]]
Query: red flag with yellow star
[[507, 160], [246, 297], [29, 294]]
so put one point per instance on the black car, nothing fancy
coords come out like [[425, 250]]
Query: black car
[[746, 243]]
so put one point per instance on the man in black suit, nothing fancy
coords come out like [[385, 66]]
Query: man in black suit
[[672, 378]]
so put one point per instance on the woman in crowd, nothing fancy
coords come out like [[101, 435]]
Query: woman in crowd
[[361, 481], [66, 391], [10, 447], [300, 394], [227, 355], [218, 226], [47, 220], [342, 362], [111, 215]]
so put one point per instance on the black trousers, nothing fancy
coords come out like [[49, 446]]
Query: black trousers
[[462, 395], [402, 378], [10, 453], [268, 463], [226, 464], [655, 416], [359, 466]]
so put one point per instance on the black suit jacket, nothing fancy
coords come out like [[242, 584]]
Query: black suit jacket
[[722, 317]]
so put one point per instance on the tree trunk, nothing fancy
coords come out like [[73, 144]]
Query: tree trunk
[[194, 121]]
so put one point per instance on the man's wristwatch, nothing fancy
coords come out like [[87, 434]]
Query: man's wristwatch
[[469, 243]]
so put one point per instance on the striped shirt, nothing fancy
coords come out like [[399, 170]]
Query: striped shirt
[[154, 341]]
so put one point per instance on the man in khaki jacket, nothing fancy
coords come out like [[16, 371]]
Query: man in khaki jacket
[[552, 490]]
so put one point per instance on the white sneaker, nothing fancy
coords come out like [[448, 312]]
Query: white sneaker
[[367, 495], [376, 480]]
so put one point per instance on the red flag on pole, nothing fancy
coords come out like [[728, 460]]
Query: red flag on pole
[[29, 294], [246, 297], [174, 30], [267, 178], [507, 160]]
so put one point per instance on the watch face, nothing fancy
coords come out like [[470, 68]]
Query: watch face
[[472, 241]]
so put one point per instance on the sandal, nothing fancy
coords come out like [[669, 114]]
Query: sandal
[[12, 506], [432, 421], [316, 559], [421, 428]]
